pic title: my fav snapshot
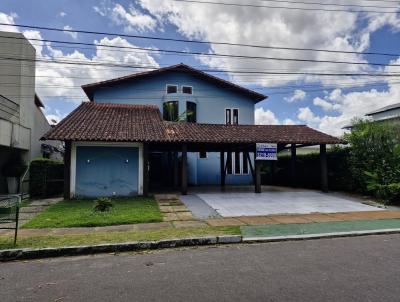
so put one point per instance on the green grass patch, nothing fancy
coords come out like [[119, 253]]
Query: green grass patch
[[318, 228], [114, 237], [79, 213]]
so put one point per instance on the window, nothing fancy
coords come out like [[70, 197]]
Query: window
[[191, 112], [231, 116], [202, 154], [237, 163], [245, 166], [172, 89], [228, 119], [187, 89], [171, 111]]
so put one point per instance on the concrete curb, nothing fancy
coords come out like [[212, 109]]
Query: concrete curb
[[28, 254]]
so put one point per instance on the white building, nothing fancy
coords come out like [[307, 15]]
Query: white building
[[389, 113], [22, 121]]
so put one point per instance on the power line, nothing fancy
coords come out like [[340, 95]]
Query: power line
[[221, 55], [204, 70], [196, 41], [285, 7], [330, 4]]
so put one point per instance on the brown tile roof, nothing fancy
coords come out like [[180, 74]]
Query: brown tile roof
[[143, 123], [89, 88]]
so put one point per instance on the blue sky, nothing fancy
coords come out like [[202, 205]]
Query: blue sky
[[325, 103]]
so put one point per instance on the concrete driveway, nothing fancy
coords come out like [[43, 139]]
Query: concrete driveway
[[275, 201]]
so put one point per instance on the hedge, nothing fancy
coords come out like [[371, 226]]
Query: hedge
[[46, 177], [308, 171]]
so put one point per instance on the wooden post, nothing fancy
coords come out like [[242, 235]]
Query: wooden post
[[293, 165], [222, 168], [184, 170], [324, 168], [176, 170], [67, 170], [145, 169], [257, 182]]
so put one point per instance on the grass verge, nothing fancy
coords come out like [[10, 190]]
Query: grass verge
[[114, 237], [318, 228], [79, 213]]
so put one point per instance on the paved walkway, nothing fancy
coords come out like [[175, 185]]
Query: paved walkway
[[288, 201]]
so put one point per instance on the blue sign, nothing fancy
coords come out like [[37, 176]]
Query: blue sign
[[266, 151]]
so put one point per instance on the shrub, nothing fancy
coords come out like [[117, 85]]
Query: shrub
[[46, 177], [103, 204]]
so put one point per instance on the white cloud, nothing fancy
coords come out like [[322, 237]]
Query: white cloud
[[64, 80], [325, 105], [265, 117], [289, 121], [298, 95], [73, 35], [277, 27], [62, 14], [8, 19], [305, 114], [131, 19]]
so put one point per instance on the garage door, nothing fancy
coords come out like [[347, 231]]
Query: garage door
[[106, 171]]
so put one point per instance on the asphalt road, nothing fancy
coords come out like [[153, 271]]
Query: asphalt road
[[345, 269]]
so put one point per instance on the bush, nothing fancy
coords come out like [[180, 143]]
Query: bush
[[103, 204], [46, 177], [308, 173]]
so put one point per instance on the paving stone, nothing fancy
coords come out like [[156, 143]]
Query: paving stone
[[254, 220], [165, 196], [321, 217], [185, 216], [170, 217], [189, 224], [165, 209], [224, 222], [179, 208], [289, 219]]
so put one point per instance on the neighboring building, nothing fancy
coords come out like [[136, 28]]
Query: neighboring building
[[389, 113], [22, 122], [137, 132]]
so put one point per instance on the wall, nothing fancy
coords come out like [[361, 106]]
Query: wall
[[211, 100], [391, 114]]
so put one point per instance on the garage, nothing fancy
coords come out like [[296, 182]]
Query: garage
[[102, 170]]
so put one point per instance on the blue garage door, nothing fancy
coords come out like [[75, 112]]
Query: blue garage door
[[106, 171]]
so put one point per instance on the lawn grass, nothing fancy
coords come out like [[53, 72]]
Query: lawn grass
[[79, 213], [6, 242]]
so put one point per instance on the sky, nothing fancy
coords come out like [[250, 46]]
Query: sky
[[326, 103]]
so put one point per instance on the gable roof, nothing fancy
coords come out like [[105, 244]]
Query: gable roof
[[256, 96], [384, 109], [143, 123]]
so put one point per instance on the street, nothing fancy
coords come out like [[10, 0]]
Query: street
[[343, 269]]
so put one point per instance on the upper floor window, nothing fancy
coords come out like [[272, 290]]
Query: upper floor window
[[171, 111], [191, 112], [232, 116], [172, 89], [187, 89]]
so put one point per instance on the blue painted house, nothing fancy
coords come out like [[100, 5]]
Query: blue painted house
[[163, 128]]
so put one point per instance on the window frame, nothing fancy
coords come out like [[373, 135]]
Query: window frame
[[231, 110], [174, 85], [195, 115], [188, 86], [205, 152], [170, 101]]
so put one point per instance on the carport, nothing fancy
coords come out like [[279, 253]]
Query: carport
[[225, 139]]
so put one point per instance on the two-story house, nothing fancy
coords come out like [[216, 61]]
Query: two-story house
[[170, 126]]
